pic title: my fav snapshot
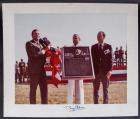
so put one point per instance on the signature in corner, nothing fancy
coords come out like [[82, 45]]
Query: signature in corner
[[74, 108]]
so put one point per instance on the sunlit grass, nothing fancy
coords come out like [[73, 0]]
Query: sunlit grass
[[117, 93]]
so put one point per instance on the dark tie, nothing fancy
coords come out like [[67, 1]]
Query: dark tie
[[100, 51], [100, 47]]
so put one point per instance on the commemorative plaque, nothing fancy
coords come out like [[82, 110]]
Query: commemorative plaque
[[77, 62]]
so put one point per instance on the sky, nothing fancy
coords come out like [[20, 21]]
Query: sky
[[59, 29]]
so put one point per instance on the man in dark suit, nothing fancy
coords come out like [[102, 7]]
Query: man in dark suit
[[116, 53], [121, 53], [22, 71], [36, 61], [102, 63], [16, 72]]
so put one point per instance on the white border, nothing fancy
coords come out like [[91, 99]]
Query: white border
[[11, 109]]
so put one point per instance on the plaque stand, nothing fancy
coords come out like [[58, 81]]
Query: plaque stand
[[77, 92]]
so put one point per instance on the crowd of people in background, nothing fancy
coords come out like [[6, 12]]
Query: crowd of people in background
[[120, 58], [21, 72], [21, 68]]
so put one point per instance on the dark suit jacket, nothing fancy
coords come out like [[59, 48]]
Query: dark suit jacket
[[103, 59], [36, 59], [22, 67]]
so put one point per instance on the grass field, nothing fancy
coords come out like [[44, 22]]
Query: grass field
[[117, 93]]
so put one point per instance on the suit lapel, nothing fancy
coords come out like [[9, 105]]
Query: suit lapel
[[97, 47], [36, 45], [104, 46]]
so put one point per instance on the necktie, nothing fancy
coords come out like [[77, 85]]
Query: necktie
[[100, 51], [100, 47]]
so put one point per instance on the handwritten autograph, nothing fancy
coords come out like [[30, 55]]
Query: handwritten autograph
[[74, 107]]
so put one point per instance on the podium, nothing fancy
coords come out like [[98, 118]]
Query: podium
[[77, 65]]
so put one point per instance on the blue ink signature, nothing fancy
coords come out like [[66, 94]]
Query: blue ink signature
[[74, 108]]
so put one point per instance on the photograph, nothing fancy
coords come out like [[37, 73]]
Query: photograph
[[70, 57], [58, 29]]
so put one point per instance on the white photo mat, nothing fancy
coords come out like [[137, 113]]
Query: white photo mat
[[90, 110]]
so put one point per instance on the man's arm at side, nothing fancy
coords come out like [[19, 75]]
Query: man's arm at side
[[110, 63]]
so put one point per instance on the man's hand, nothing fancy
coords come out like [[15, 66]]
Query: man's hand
[[44, 50], [108, 75]]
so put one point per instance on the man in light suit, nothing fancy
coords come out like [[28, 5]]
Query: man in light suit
[[102, 63], [36, 60], [72, 82]]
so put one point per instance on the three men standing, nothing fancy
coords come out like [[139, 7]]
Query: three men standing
[[102, 63]]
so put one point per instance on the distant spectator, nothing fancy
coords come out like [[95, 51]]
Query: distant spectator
[[126, 56], [22, 71], [121, 53], [116, 53], [16, 72]]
